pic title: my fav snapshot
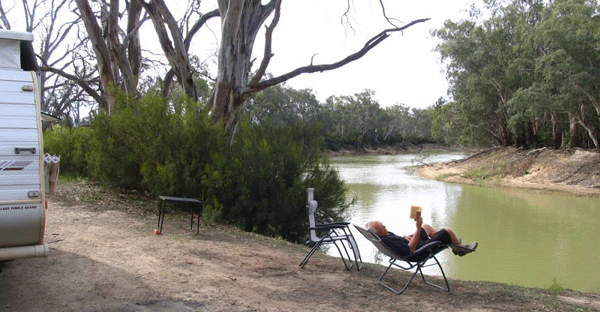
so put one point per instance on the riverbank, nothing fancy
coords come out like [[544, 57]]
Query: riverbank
[[394, 150], [104, 257], [574, 171]]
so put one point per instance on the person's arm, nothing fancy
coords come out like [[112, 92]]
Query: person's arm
[[415, 238]]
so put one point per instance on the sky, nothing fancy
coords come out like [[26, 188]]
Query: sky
[[403, 69]]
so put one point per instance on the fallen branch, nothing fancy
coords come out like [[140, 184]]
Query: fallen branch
[[487, 151]]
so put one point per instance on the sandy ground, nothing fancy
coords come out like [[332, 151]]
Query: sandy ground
[[104, 257]]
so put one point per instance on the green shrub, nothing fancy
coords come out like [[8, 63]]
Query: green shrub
[[257, 180], [152, 145], [260, 181], [555, 288], [73, 145]]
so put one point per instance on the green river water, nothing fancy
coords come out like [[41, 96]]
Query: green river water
[[525, 237]]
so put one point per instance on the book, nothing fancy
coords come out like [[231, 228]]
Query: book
[[415, 212]]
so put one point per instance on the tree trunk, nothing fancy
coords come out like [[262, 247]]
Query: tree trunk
[[535, 128], [504, 132], [589, 128], [574, 131], [102, 54], [555, 137], [119, 63], [175, 50], [240, 23]]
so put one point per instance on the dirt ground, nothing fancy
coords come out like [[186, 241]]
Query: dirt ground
[[104, 257]]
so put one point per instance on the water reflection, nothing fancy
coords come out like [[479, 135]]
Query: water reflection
[[526, 238]]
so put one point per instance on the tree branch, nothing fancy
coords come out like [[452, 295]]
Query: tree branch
[[187, 42], [203, 19], [83, 84], [268, 40], [389, 20], [370, 44]]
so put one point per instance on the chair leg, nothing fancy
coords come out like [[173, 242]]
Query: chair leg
[[447, 288], [398, 292], [356, 252], [419, 266], [351, 243], [348, 264], [310, 253]]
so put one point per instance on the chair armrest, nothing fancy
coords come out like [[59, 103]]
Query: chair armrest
[[328, 226], [340, 223], [430, 248]]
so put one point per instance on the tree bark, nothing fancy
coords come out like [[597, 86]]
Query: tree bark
[[555, 137], [118, 62], [175, 50], [102, 53]]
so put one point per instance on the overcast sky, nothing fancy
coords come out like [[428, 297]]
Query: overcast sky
[[402, 69]]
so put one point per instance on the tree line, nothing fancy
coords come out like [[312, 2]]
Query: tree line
[[352, 122], [525, 75]]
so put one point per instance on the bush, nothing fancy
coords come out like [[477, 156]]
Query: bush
[[256, 181], [73, 145], [155, 146], [260, 181]]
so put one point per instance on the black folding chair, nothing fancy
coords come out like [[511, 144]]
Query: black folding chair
[[418, 259], [336, 233]]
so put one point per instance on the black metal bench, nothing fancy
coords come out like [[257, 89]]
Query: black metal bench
[[194, 204]]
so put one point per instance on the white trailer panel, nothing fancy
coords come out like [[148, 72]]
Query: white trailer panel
[[22, 198], [27, 136], [21, 224]]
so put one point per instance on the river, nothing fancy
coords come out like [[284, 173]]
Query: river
[[525, 237]]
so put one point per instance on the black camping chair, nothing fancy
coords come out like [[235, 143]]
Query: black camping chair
[[337, 233], [416, 259]]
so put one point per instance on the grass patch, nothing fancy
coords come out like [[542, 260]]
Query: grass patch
[[555, 288], [477, 174], [445, 176], [499, 168]]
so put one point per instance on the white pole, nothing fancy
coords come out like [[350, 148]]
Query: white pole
[[311, 194]]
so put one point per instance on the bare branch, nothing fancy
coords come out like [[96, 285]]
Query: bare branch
[[374, 41], [269, 38], [389, 20], [85, 85], [175, 50], [4, 18], [203, 19], [345, 20], [187, 42]]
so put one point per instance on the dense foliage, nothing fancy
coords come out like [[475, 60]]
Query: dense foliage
[[526, 76], [346, 122], [72, 145], [257, 181]]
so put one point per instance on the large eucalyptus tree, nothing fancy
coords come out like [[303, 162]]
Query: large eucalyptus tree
[[241, 22]]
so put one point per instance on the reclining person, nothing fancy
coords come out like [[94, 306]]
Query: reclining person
[[425, 233]]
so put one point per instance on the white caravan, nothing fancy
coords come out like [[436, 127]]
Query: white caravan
[[22, 198]]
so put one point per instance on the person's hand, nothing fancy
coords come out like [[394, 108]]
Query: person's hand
[[419, 220]]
